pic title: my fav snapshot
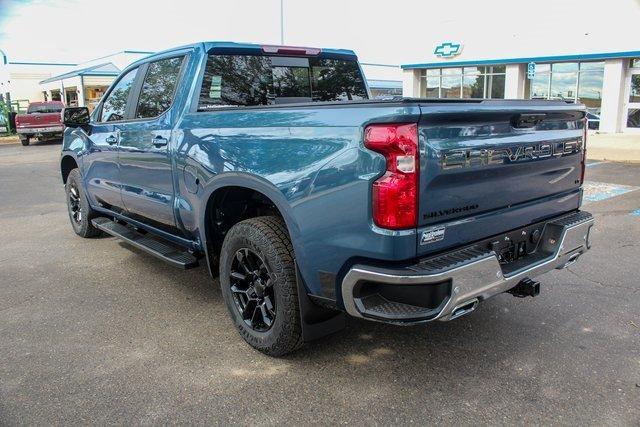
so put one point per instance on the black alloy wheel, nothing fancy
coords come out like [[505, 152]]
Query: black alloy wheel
[[75, 207], [259, 284], [80, 212], [253, 292]]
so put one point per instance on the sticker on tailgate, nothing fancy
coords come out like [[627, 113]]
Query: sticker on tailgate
[[431, 235]]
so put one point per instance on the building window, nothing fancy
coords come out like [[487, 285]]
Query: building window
[[572, 81], [467, 82], [432, 86], [539, 84], [590, 85], [496, 81], [451, 83], [633, 107], [634, 91], [564, 80], [473, 83], [633, 118]]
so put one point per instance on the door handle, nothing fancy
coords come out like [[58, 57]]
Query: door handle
[[159, 141], [111, 140]]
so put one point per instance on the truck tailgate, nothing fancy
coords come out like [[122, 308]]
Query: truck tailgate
[[38, 120], [494, 164]]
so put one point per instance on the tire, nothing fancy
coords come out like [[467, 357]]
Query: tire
[[25, 140], [262, 239], [80, 213]]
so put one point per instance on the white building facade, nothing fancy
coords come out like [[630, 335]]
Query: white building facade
[[607, 83], [79, 84]]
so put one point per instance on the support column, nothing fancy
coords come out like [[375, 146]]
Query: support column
[[514, 81], [81, 99], [411, 83], [615, 73]]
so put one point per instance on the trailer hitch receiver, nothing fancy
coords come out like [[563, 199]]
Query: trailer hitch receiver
[[525, 288]]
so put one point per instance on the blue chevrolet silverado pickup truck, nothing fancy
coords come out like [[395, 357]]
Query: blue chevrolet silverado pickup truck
[[310, 201]]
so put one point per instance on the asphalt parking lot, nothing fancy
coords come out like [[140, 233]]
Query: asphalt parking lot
[[92, 331]]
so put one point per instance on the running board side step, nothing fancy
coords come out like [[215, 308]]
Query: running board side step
[[148, 243]]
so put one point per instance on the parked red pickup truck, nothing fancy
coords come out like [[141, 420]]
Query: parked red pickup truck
[[41, 121]]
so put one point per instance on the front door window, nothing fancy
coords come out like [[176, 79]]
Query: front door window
[[114, 107]]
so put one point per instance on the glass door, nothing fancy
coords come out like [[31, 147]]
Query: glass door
[[632, 111]]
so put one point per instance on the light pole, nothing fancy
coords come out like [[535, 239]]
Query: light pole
[[281, 22]]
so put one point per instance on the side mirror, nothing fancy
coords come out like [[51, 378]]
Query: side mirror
[[75, 116]]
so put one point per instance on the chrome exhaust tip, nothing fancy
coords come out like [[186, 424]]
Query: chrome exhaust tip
[[464, 308], [570, 261]]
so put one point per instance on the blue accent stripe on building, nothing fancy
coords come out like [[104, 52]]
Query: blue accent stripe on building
[[42, 63], [379, 65], [581, 57]]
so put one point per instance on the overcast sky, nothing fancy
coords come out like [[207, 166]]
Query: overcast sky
[[391, 32]]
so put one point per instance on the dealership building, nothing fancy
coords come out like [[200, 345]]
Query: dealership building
[[76, 84], [606, 82]]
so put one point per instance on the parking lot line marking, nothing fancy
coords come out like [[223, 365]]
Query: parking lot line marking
[[593, 164], [598, 191]]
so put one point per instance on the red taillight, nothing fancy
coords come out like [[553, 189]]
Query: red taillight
[[585, 123], [395, 194]]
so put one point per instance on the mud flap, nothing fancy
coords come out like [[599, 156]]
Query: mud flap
[[316, 321]]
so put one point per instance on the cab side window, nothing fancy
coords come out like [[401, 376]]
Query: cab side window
[[115, 104], [159, 87]]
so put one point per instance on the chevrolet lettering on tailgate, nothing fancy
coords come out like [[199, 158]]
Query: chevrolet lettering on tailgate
[[464, 158]]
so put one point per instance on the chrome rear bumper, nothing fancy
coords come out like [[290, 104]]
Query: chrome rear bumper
[[474, 274], [40, 130]]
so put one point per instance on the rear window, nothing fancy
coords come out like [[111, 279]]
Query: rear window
[[249, 80], [44, 108]]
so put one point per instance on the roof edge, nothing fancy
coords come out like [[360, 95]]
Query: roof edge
[[240, 45], [83, 71]]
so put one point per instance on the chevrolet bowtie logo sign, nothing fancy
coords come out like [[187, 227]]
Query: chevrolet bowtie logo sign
[[448, 50]]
